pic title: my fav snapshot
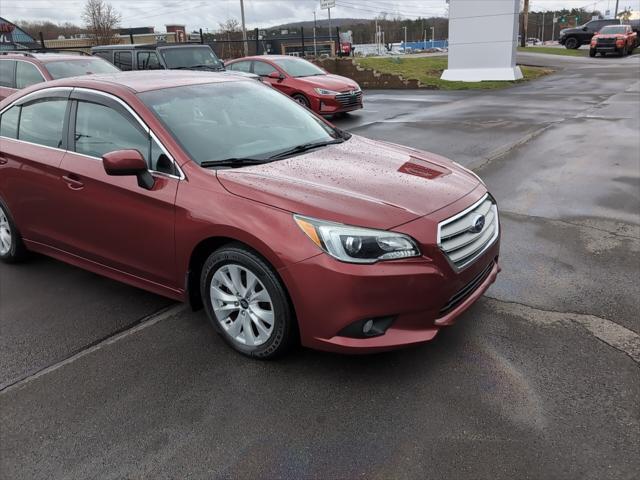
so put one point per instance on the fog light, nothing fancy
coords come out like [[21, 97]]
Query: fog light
[[368, 325]]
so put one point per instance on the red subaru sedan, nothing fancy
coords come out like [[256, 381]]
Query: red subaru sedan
[[220, 191], [305, 82]]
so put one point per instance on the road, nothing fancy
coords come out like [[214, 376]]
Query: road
[[540, 379]]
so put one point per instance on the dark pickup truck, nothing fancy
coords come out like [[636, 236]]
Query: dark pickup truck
[[575, 37], [167, 56]]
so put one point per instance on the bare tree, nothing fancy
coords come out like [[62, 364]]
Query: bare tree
[[101, 20], [230, 31], [50, 30]]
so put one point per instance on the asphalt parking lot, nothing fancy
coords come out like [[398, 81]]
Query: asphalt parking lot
[[539, 379]]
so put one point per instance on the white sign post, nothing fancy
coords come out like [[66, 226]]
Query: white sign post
[[482, 40], [328, 5]]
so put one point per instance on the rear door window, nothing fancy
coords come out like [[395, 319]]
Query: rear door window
[[263, 69], [7, 69], [42, 122], [240, 66], [27, 74], [122, 60], [105, 54], [148, 61]]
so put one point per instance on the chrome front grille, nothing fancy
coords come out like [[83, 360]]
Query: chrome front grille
[[350, 99], [465, 236]]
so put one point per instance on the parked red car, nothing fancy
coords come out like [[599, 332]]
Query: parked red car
[[305, 82], [620, 39], [220, 191], [22, 69]]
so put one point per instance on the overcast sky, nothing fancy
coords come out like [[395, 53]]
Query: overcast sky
[[259, 13]]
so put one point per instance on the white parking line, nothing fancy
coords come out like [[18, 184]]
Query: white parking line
[[143, 324]]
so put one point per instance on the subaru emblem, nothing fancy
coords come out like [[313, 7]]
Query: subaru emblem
[[477, 224]]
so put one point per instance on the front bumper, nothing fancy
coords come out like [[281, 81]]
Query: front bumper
[[607, 48], [325, 105], [330, 295]]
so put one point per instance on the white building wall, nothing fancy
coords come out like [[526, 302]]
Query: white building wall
[[482, 40]]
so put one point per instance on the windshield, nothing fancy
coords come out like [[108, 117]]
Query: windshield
[[238, 119], [296, 67], [189, 57], [613, 29], [85, 66]]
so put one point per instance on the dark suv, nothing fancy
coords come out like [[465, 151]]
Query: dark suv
[[163, 56], [575, 37]]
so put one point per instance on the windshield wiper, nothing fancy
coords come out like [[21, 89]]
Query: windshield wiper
[[304, 148], [208, 67], [233, 162]]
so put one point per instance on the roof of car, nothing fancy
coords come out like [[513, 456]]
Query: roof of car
[[44, 57], [146, 46], [138, 81], [264, 57]]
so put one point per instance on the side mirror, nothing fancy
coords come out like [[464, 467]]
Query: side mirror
[[276, 76], [222, 63], [585, 29], [128, 163]]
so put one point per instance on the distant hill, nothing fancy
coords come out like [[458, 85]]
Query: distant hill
[[324, 23]]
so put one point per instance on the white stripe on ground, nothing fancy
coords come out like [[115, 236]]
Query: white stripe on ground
[[609, 332], [145, 323]]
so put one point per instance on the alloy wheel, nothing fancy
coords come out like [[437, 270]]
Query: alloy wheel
[[5, 233], [242, 305]]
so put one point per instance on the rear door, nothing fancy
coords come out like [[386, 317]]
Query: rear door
[[33, 141], [7, 78], [111, 220], [148, 60], [123, 59]]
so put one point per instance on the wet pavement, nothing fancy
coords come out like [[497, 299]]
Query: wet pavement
[[539, 379]]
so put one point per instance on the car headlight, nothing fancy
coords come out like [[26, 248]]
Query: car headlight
[[324, 91], [356, 244]]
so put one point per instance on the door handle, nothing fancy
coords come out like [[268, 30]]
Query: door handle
[[73, 182]]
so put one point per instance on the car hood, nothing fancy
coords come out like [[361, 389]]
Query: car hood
[[330, 82], [359, 182]]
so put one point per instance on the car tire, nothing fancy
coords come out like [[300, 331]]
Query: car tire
[[246, 303], [572, 43], [592, 53], [12, 248], [624, 52], [301, 99]]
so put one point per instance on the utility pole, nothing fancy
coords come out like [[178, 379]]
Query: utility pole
[[315, 46], [404, 49], [330, 32], [615, 15], [542, 36], [553, 27], [244, 30], [433, 36], [525, 24]]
